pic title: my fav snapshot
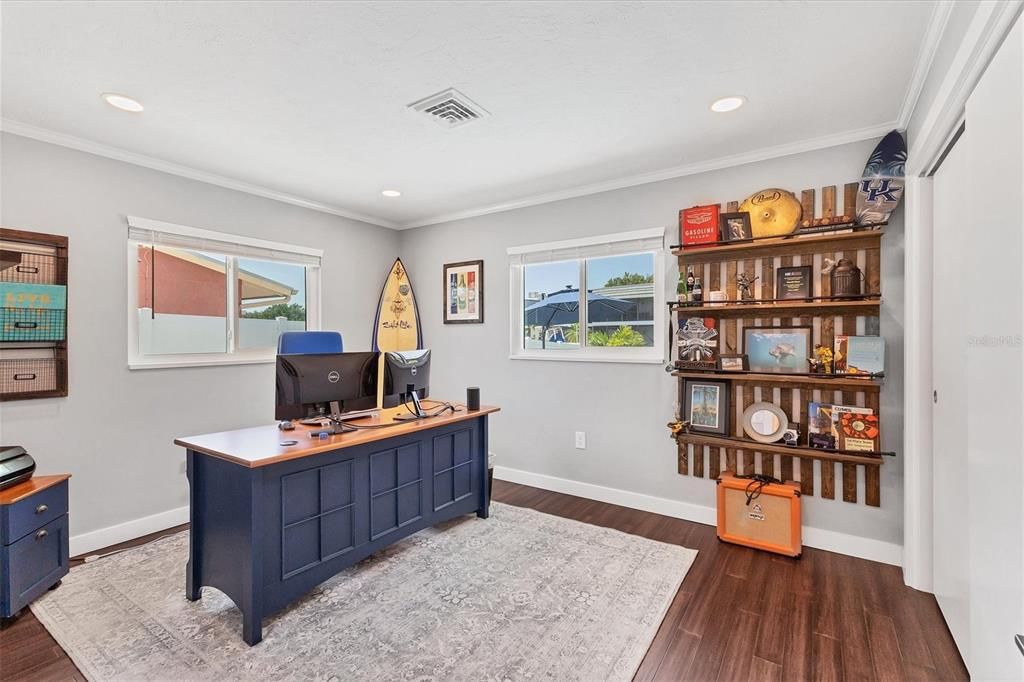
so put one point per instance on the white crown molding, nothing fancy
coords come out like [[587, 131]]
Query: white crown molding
[[44, 135], [719, 163], [988, 28], [925, 59]]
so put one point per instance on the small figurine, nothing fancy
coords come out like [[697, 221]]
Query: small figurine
[[821, 363], [744, 284]]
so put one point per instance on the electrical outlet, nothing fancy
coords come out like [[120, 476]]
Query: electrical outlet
[[581, 440]]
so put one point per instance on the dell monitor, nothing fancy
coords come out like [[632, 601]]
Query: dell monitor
[[342, 385], [406, 378]]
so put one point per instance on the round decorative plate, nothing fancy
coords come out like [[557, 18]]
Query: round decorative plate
[[765, 422]]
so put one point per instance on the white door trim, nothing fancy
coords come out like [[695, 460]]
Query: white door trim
[[985, 34]]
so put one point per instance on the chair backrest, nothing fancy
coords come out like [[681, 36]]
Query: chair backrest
[[309, 343]]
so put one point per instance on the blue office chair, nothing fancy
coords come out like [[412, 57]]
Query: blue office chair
[[309, 343]]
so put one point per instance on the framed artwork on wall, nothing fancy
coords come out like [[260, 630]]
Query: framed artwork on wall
[[464, 292], [706, 406], [779, 350]]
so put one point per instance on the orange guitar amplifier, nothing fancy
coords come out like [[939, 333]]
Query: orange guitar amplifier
[[759, 515]]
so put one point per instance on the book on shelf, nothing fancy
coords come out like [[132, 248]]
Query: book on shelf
[[858, 354]]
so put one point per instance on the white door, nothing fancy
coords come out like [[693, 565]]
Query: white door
[[949, 431]]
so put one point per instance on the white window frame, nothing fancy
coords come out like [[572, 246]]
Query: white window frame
[[619, 244], [183, 236]]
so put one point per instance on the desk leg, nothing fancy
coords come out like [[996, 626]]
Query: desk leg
[[193, 569], [252, 596], [485, 493]]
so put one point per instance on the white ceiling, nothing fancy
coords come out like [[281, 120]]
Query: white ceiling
[[309, 99]]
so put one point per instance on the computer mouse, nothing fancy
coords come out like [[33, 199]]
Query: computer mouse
[[286, 425]]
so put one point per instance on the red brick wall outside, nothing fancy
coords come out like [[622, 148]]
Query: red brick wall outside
[[182, 288]]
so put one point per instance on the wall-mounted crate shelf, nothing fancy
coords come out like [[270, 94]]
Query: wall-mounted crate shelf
[[836, 381], [718, 265], [33, 315], [784, 309], [864, 238]]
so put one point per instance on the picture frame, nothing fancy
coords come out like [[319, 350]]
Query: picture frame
[[706, 406], [733, 363], [697, 343], [794, 283], [784, 349], [463, 292], [735, 227]]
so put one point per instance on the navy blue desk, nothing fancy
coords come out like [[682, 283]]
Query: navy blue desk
[[269, 522]]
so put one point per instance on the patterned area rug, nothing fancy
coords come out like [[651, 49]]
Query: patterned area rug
[[522, 595]]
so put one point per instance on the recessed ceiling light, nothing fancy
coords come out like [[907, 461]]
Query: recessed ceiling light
[[731, 103], [391, 193], [122, 102]]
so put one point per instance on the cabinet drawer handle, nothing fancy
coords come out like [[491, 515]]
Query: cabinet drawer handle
[[41, 509], [41, 534]]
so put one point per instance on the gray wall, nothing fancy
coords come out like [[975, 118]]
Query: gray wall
[[622, 407], [114, 431]]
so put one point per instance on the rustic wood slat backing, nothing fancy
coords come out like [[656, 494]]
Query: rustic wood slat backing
[[873, 276], [807, 203], [850, 200], [872, 474], [748, 454], [720, 275], [849, 470], [828, 201]]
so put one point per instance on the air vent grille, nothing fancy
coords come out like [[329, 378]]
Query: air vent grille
[[450, 108]]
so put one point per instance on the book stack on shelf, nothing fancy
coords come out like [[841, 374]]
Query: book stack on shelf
[[779, 357]]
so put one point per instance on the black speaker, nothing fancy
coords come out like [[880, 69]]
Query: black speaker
[[473, 398]]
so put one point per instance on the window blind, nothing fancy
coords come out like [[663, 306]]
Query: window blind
[[158, 233], [590, 247]]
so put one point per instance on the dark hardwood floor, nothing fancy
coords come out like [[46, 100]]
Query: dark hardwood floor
[[740, 614]]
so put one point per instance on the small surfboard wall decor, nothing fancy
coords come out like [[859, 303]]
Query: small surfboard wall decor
[[397, 325], [881, 185]]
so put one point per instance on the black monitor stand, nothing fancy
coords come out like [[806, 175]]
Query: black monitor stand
[[417, 408]]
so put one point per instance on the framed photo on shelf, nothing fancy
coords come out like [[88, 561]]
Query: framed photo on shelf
[[794, 283], [706, 406], [777, 350], [732, 363], [464, 292], [697, 341], [735, 227]]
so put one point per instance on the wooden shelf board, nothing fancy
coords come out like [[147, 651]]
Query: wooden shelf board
[[784, 309], [867, 459], [837, 380], [863, 239]]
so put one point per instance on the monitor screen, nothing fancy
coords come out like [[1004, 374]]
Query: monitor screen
[[310, 385], [403, 369]]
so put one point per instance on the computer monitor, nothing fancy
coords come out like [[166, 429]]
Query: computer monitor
[[406, 373], [338, 384]]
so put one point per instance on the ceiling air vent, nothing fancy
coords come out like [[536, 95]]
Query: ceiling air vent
[[450, 108]]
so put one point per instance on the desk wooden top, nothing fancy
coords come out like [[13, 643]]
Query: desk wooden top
[[19, 492], [260, 445]]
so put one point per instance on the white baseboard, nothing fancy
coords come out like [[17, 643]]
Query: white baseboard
[[129, 530], [832, 541]]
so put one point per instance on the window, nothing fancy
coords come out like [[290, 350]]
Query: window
[[198, 297], [621, 317]]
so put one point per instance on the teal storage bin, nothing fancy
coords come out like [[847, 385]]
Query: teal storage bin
[[33, 312]]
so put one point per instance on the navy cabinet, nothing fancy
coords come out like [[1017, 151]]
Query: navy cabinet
[[33, 540]]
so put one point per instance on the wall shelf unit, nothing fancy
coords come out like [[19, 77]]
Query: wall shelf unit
[[817, 471], [34, 314]]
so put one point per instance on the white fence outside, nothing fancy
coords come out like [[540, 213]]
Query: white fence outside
[[166, 334]]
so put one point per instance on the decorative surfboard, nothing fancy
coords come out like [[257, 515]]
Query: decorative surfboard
[[881, 185], [397, 326]]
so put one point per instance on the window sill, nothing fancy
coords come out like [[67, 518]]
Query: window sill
[[168, 362], [574, 356]]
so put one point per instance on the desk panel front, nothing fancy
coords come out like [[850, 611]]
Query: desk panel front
[[265, 535]]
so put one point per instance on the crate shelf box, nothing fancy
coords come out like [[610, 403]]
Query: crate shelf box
[[33, 315]]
